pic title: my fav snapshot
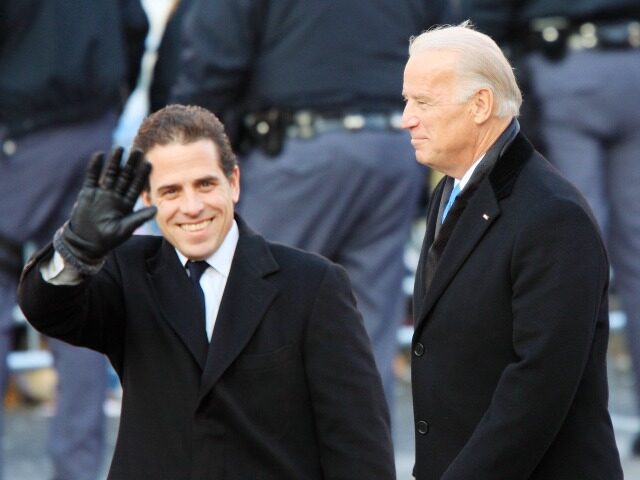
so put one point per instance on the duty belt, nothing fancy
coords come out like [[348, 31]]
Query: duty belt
[[307, 124], [267, 130], [555, 35]]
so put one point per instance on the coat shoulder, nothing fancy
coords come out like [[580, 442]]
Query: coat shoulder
[[135, 252], [139, 244], [295, 259]]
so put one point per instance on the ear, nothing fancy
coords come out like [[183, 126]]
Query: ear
[[234, 181], [146, 198], [482, 105]]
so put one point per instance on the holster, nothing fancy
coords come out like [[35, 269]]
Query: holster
[[266, 130]]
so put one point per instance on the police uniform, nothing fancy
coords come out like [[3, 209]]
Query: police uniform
[[63, 69]]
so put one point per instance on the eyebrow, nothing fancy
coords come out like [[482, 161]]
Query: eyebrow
[[419, 96], [210, 178], [163, 188], [213, 178]]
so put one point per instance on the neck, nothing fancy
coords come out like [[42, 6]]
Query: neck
[[495, 127], [487, 136]]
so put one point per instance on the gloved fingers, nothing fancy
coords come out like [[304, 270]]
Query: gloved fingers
[[131, 222], [111, 170], [128, 172], [93, 170], [139, 181]]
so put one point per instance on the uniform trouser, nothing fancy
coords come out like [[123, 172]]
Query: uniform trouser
[[38, 186], [5, 342], [350, 197], [590, 120], [77, 435]]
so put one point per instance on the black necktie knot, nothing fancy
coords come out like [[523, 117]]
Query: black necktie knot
[[196, 269]]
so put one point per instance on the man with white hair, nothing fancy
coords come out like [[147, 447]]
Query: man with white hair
[[509, 350]]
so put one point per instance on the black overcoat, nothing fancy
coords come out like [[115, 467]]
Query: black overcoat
[[287, 389], [508, 363]]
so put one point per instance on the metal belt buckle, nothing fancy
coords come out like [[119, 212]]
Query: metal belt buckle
[[304, 124], [606, 35], [395, 121], [634, 34], [585, 37], [550, 29], [353, 122]]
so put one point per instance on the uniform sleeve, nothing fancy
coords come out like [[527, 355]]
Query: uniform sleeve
[[352, 417], [220, 40], [135, 27], [559, 283]]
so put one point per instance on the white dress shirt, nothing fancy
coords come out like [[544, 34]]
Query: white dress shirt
[[214, 278], [212, 282], [467, 175]]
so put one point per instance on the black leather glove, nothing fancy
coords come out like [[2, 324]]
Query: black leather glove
[[102, 217]]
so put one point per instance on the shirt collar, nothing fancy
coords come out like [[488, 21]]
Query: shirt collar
[[221, 259], [500, 145], [467, 176]]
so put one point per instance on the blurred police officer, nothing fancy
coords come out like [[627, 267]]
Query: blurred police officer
[[584, 62], [313, 88], [64, 66], [166, 68]]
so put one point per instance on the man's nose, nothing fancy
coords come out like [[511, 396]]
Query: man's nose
[[191, 203], [409, 120]]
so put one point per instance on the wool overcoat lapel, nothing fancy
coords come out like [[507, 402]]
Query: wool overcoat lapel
[[178, 301], [246, 298], [473, 222], [472, 217]]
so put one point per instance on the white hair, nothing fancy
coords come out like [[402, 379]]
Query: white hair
[[481, 64]]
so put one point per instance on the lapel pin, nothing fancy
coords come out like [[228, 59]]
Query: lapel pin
[[485, 216]]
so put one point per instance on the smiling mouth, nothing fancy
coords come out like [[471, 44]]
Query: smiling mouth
[[195, 227]]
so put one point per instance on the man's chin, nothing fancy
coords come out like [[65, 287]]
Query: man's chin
[[422, 159], [194, 252]]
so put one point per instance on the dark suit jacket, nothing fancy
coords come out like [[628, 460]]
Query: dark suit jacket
[[508, 364], [287, 389]]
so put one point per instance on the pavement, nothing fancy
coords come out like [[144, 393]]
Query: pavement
[[26, 426]]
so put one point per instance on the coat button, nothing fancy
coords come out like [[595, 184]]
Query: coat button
[[422, 427], [418, 349]]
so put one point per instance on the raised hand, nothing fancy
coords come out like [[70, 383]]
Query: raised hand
[[103, 217]]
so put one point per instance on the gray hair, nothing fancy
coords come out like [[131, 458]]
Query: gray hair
[[481, 64]]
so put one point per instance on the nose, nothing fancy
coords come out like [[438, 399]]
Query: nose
[[409, 120], [191, 203]]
